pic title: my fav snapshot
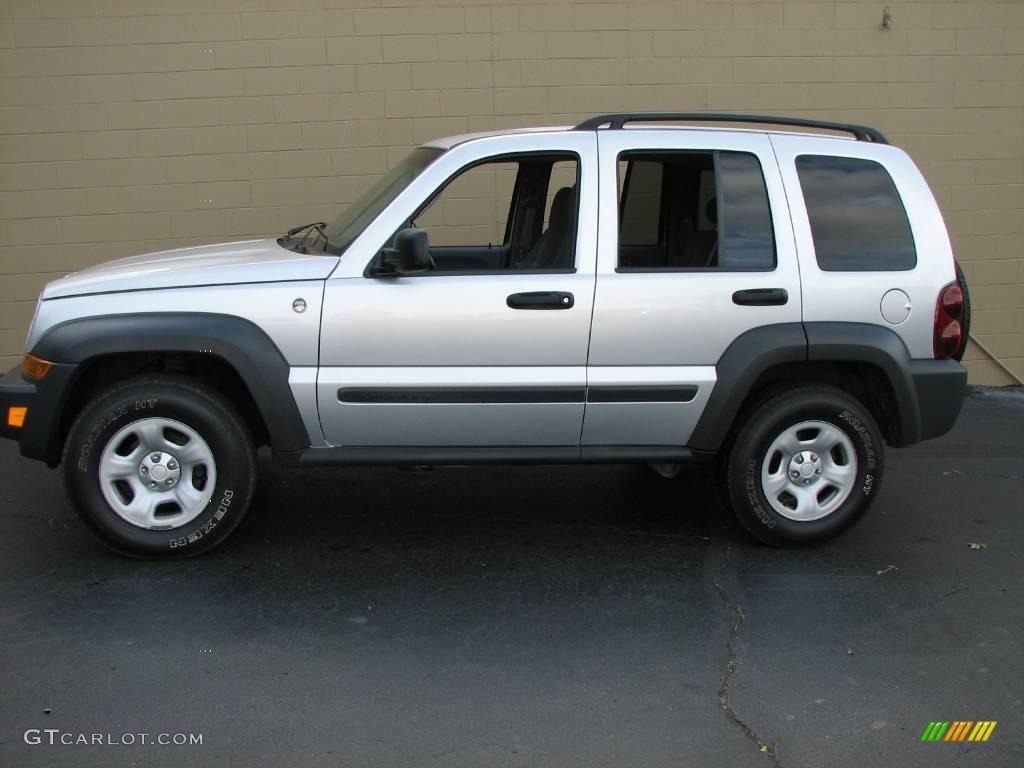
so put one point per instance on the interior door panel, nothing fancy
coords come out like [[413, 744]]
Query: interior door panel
[[469, 257]]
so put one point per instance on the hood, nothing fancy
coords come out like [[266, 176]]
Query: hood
[[248, 261]]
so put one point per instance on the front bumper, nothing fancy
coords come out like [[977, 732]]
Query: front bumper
[[38, 437], [940, 386]]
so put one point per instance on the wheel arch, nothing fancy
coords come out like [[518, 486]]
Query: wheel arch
[[867, 361], [229, 352]]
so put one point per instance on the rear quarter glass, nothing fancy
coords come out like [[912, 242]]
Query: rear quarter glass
[[857, 218]]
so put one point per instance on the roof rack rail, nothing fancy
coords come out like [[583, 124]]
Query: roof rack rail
[[617, 121]]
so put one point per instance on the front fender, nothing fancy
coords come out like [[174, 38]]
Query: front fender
[[239, 342]]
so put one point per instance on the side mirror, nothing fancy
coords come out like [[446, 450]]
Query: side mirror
[[409, 255]]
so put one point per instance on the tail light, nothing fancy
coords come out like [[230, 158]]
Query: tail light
[[948, 335]]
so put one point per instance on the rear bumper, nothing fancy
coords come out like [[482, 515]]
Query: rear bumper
[[44, 398], [941, 386]]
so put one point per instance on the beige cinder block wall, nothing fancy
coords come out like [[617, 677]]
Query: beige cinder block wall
[[132, 125]]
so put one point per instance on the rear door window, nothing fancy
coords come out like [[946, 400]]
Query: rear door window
[[640, 213], [690, 210], [857, 218]]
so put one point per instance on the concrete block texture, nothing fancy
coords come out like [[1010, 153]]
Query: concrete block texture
[[127, 127]]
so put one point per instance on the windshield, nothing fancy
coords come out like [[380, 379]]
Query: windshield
[[349, 224]]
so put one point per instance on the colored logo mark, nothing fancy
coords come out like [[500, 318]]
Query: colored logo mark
[[959, 730]]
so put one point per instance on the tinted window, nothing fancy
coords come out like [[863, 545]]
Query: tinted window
[[749, 241], [857, 218], [670, 217]]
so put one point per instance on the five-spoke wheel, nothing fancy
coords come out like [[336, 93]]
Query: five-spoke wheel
[[809, 470], [157, 473], [803, 466], [160, 466]]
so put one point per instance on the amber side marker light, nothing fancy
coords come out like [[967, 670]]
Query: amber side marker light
[[35, 368], [16, 416]]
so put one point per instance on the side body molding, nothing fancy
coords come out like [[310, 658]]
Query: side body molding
[[237, 341], [757, 350]]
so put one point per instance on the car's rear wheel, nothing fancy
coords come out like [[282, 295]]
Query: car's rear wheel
[[160, 466], [804, 466]]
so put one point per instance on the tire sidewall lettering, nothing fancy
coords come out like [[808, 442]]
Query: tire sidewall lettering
[[108, 419], [208, 526], [860, 431], [869, 484], [752, 487], [870, 458]]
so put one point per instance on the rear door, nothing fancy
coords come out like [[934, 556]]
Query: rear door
[[695, 249]]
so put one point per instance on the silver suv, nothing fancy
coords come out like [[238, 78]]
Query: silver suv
[[774, 296]]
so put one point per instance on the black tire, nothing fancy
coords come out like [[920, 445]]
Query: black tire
[[768, 420], [965, 321], [200, 408]]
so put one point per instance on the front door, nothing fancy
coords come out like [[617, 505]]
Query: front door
[[488, 348]]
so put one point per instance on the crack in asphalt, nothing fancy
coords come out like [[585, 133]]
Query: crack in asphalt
[[730, 669]]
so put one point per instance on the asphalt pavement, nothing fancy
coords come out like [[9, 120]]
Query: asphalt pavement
[[527, 616]]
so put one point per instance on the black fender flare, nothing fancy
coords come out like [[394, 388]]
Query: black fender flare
[[754, 352], [736, 372], [240, 343], [878, 346]]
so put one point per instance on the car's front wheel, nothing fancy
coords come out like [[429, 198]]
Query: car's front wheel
[[804, 466], [160, 466]]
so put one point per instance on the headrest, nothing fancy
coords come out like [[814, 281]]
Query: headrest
[[561, 205]]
